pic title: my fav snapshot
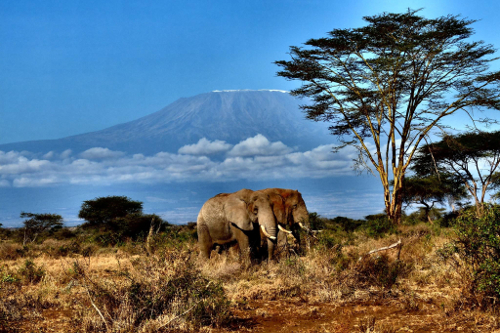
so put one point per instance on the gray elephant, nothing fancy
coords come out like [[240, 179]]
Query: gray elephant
[[231, 217], [289, 210]]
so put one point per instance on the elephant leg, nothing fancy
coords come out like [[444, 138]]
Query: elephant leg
[[204, 240], [270, 250], [244, 244]]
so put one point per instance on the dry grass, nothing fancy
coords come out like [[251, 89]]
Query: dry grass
[[327, 290]]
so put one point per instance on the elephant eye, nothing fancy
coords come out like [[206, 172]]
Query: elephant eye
[[255, 210], [295, 206]]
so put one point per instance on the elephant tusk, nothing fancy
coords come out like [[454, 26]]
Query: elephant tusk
[[264, 231], [303, 227], [283, 229]]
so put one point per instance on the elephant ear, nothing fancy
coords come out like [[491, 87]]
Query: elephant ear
[[236, 213], [251, 205], [279, 209]]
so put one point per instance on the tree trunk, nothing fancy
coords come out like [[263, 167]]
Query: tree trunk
[[395, 209]]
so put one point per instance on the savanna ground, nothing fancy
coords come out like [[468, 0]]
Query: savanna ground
[[73, 284]]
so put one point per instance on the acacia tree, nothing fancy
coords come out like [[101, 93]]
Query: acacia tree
[[39, 223], [432, 189], [385, 86], [103, 211], [473, 158]]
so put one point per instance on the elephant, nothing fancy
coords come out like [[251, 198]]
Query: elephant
[[229, 217], [290, 210]]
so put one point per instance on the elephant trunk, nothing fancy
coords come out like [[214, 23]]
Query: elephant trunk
[[271, 242], [268, 226], [301, 216]]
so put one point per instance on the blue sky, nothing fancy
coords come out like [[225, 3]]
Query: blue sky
[[70, 67]]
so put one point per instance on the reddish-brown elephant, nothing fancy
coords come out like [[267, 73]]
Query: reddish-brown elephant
[[289, 210]]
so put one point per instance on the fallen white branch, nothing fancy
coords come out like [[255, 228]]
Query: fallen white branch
[[97, 309], [397, 244]]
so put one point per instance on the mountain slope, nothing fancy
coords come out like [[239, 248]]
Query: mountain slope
[[231, 116]]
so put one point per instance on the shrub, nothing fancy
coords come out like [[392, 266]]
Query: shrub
[[331, 245], [30, 272], [380, 271], [346, 223], [478, 244], [10, 251], [378, 225], [164, 287]]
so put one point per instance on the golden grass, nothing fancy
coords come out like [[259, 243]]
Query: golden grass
[[327, 290]]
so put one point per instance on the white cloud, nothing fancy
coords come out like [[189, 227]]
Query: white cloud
[[99, 153], [205, 147], [259, 145], [66, 154], [253, 158], [49, 155]]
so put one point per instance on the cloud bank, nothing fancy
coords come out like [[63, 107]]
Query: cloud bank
[[205, 147], [255, 158]]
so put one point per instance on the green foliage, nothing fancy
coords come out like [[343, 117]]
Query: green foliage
[[104, 210], [380, 271], [7, 276], [115, 219], [136, 226], [423, 215], [328, 240], [449, 219], [478, 244], [431, 189], [391, 82], [346, 223], [316, 222], [472, 159], [495, 185], [37, 224], [30, 272], [378, 225], [339, 223], [64, 233]]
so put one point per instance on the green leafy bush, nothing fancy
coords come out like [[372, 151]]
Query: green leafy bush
[[380, 271], [378, 226], [478, 244], [30, 272]]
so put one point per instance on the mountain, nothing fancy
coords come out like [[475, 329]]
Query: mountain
[[230, 116]]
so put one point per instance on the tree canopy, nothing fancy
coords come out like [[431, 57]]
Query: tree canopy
[[104, 210], [473, 158], [39, 223], [432, 189], [385, 86]]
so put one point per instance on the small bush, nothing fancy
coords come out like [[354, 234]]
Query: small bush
[[30, 272], [380, 271], [330, 245], [11, 308], [163, 287], [10, 251], [478, 244], [377, 226]]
